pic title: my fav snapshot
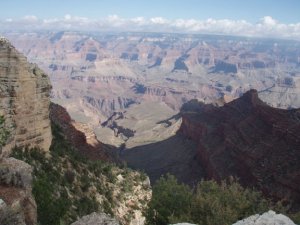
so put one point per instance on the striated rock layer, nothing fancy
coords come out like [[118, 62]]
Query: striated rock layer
[[250, 140], [24, 100]]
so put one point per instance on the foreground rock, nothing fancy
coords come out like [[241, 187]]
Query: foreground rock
[[268, 218], [184, 224], [24, 100], [96, 219], [17, 205], [248, 139]]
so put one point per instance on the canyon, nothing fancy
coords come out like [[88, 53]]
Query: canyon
[[246, 139], [163, 103], [95, 75]]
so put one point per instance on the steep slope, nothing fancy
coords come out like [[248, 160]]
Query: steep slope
[[24, 100], [248, 139], [67, 185], [80, 135], [24, 113]]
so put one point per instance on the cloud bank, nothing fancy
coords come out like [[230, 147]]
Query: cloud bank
[[265, 27]]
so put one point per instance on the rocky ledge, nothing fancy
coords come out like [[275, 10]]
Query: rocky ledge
[[250, 140]]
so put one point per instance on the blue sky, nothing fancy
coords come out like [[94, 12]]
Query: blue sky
[[256, 18], [286, 11]]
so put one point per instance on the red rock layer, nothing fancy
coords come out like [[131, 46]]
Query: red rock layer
[[250, 140], [94, 149]]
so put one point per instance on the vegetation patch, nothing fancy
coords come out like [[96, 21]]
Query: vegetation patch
[[210, 204], [67, 185]]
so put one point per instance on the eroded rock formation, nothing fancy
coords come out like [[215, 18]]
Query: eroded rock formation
[[248, 139], [24, 105], [24, 100]]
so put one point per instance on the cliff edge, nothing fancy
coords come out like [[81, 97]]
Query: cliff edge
[[24, 101], [250, 140]]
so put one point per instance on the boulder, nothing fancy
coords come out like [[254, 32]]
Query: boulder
[[96, 219], [268, 218]]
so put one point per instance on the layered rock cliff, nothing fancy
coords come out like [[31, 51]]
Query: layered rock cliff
[[24, 100], [24, 111], [250, 140]]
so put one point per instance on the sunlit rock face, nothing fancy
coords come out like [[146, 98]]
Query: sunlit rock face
[[24, 100]]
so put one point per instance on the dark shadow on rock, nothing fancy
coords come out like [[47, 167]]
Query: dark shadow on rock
[[176, 155]]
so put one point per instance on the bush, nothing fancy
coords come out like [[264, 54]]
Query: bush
[[171, 202], [210, 204], [226, 203], [3, 132]]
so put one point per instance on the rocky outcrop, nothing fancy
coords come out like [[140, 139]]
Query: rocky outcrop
[[17, 205], [268, 218], [248, 139], [96, 219], [24, 100]]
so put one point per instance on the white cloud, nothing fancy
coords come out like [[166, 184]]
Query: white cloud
[[265, 27], [159, 20], [30, 18], [268, 21], [68, 17]]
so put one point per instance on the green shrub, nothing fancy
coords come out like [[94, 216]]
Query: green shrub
[[4, 134], [86, 206], [210, 204], [170, 202], [225, 203]]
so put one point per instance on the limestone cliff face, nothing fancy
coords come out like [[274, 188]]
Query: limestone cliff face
[[24, 100]]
